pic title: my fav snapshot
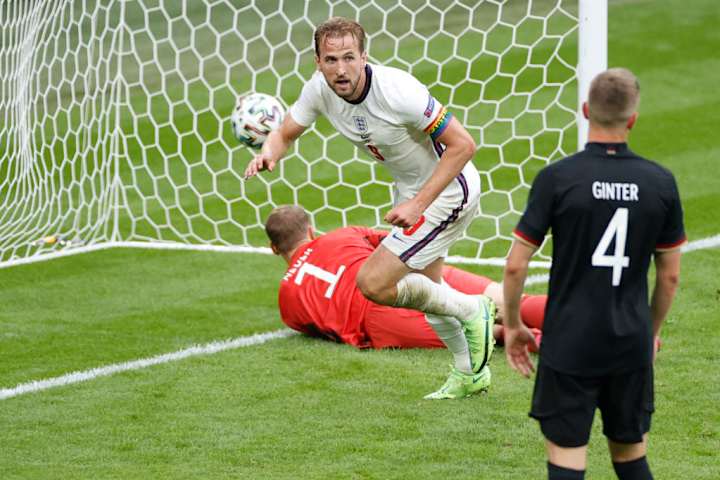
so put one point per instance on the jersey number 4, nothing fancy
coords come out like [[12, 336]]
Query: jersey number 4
[[616, 229], [324, 275]]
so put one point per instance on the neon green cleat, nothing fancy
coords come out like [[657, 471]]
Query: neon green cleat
[[460, 385], [478, 333]]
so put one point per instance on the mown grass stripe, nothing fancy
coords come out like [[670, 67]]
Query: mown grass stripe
[[219, 346], [196, 350]]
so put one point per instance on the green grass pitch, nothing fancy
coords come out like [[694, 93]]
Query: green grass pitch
[[299, 408]]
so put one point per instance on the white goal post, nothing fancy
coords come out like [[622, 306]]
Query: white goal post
[[114, 114]]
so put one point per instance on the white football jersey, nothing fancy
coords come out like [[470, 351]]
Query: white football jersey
[[395, 120]]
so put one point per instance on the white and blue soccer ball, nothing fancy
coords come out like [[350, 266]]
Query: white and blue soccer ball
[[254, 117]]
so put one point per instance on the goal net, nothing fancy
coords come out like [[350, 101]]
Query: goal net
[[114, 115]]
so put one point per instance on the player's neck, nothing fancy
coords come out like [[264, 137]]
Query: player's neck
[[291, 253], [606, 135]]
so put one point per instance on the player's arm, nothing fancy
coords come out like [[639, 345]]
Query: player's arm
[[667, 259], [374, 237], [275, 146], [667, 278], [517, 335], [529, 234], [460, 148]]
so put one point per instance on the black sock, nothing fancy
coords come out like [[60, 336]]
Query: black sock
[[562, 473], [633, 470]]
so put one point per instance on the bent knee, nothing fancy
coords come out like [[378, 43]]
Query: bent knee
[[366, 285], [373, 288]]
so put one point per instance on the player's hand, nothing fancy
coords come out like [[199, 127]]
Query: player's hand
[[656, 347], [404, 215], [262, 161], [517, 340]]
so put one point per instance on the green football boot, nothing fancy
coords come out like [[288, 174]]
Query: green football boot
[[479, 333], [461, 385]]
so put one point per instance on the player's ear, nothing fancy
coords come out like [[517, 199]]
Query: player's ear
[[274, 249], [632, 120], [317, 62], [586, 111]]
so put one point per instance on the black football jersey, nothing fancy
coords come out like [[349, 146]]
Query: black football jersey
[[608, 210]]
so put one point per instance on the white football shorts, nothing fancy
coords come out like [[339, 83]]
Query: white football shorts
[[441, 225]]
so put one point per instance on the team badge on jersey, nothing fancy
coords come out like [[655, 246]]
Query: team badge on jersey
[[360, 123]]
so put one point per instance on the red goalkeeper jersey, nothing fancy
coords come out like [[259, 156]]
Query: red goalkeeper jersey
[[318, 294]]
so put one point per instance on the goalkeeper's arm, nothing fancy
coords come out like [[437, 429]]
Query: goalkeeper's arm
[[275, 147]]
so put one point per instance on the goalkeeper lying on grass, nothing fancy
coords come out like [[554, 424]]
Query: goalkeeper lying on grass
[[318, 295]]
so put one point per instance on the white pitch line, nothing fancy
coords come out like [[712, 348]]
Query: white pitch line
[[207, 349], [703, 243], [539, 278], [709, 242]]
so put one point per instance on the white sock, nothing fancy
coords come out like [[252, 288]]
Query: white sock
[[418, 292], [450, 332]]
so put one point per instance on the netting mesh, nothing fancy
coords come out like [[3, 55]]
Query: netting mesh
[[115, 114], [56, 83]]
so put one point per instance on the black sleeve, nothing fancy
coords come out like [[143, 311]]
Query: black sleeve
[[535, 222], [673, 231]]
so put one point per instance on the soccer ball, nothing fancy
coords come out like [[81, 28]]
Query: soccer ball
[[254, 117]]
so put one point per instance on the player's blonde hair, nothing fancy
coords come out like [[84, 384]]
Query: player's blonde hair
[[286, 226], [614, 97], [338, 27]]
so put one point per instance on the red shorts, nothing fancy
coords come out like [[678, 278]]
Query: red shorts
[[389, 327]]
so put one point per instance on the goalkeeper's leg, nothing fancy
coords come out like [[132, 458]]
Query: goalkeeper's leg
[[532, 307], [388, 327]]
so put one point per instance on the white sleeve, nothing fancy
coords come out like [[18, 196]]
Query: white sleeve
[[416, 107], [307, 107]]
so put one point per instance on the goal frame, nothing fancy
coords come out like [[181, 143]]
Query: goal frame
[[592, 59]]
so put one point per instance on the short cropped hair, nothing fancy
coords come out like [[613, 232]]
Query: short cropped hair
[[286, 226], [614, 97], [338, 27]]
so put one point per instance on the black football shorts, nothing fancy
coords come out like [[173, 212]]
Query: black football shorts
[[565, 405]]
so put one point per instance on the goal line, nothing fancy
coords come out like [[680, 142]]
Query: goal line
[[704, 243]]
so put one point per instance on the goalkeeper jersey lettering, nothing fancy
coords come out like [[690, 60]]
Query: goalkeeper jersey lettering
[[396, 121], [318, 294]]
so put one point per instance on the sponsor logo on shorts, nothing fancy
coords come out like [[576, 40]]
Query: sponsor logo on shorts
[[395, 236]]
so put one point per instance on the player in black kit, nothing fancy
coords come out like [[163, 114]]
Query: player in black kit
[[610, 212]]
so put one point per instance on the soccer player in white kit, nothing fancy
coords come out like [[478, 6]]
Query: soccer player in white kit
[[391, 116]]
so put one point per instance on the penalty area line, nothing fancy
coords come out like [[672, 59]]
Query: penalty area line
[[194, 351]]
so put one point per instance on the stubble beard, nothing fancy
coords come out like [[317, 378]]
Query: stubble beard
[[353, 87]]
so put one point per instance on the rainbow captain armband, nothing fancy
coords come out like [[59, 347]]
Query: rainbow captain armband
[[438, 126]]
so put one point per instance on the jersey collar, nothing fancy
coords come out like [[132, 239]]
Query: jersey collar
[[366, 89], [607, 148], [300, 250]]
